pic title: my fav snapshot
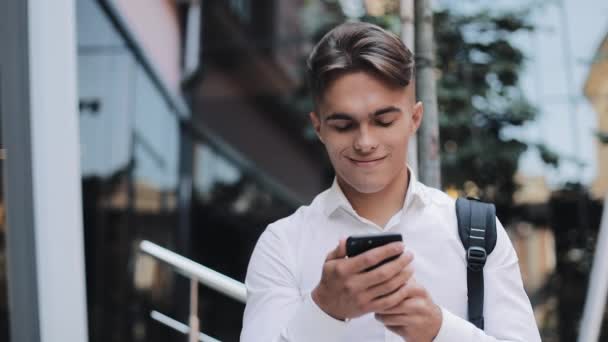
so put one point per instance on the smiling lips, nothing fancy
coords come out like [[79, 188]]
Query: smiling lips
[[368, 162]]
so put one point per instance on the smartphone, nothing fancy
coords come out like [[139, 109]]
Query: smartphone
[[358, 244]]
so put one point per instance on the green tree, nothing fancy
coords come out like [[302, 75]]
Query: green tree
[[479, 96]]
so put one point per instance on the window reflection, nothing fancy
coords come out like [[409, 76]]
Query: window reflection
[[129, 175], [105, 77], [136, 154], [230, 209], [105, 125], [155, 216], [156, 149], [210, 171]]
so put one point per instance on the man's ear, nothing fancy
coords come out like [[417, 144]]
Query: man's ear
[[315, 119], [417, 113]]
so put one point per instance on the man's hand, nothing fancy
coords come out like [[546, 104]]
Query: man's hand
[[346, 291], [417, 318]]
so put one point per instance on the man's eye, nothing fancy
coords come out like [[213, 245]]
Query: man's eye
[[342, 125], [343, 128], [385, 123]]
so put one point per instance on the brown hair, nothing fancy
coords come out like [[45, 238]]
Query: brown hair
[[358, 46]]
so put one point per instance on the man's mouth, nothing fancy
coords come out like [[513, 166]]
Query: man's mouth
[[367, 162]]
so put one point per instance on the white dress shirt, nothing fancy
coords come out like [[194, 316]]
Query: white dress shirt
[[287, 262]]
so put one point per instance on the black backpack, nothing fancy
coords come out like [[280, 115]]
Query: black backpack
[[477, 230]]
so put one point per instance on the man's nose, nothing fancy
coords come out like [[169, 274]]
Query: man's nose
[[365, 142]]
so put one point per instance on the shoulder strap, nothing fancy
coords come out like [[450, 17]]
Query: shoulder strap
[[477, 231]]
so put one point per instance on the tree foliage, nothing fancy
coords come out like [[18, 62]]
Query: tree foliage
[[478, 98]]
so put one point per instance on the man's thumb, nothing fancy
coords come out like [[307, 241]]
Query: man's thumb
[[339, 252]]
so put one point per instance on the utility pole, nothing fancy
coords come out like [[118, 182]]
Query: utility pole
[[571, 90], [406, 10], [595, 303], [428, 143]]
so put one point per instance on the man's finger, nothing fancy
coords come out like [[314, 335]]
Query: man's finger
[[392, 319], [374, 256], [391, 285], [387, 271], [339, 252], [413, 296], [410, 306], [392, 300]]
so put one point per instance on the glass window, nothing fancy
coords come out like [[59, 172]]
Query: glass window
[[135, 155], [106, 163], [129, 154], [211, 170], [156, 139], [230, 209], [155, 211]]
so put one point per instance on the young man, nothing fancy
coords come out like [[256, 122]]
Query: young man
[[301, 287]]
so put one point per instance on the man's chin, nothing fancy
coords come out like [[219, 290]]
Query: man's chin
[[367, 188]]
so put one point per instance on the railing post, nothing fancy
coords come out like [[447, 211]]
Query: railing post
[[196, 273], [193, 321]]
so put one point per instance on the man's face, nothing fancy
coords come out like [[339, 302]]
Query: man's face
[[365, 125]]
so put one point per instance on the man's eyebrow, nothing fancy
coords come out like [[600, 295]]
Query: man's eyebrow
[[346, 116], [339, 116], [386, 110]]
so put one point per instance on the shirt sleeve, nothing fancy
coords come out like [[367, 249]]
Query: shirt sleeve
[[276, 310], [507, 311]]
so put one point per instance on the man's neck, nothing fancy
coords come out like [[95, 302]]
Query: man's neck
[[379, 207]]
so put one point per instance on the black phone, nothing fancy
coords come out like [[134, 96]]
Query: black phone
[[358, 244]]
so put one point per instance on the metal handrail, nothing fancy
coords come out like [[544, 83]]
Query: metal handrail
[[179, 326], [197, 273], [188, 268]]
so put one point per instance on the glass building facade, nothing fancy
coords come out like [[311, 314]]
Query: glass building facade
[[154, 170], [196, 158]]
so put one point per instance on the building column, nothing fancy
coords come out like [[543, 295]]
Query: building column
[[38, 101]]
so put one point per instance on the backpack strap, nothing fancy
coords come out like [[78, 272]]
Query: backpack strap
[[477, 231]]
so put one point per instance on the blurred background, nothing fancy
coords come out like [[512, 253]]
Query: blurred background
[[193, 134]]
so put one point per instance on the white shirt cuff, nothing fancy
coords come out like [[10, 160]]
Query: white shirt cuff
[[312, 324], [454, 328]]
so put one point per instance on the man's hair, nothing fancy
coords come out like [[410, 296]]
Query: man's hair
[[354, 47]]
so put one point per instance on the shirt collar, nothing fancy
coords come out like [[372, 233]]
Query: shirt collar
[[336, 199]]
